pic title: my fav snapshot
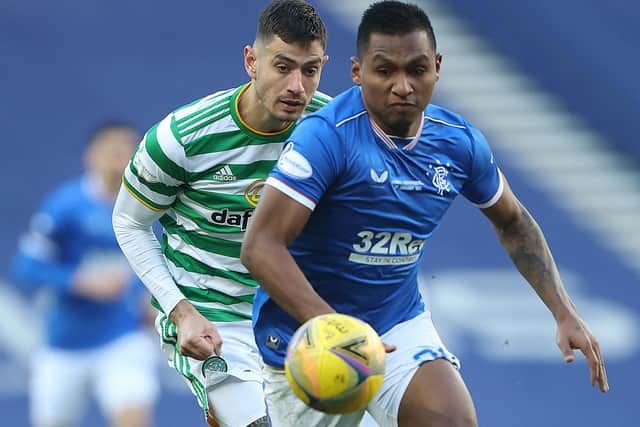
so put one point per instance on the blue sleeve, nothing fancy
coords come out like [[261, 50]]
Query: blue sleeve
[[484, 184], [37, 262], [311, 160]]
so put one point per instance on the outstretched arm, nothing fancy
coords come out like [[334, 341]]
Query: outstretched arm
[[524, 241], [276, 223]]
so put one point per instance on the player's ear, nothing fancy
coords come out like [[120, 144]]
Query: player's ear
[[438, 63], [325, 59], [250, 61], [355, 70]]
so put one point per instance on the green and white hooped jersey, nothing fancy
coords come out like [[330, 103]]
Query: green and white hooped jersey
[[205, 167]]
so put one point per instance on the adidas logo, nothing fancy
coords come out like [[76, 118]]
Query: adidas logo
[[224, 175]]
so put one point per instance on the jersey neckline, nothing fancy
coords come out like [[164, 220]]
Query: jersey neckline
[[387, 139], [277, 136]]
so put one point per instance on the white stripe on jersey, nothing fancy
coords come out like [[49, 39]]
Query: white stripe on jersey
[[150, 169], [205, 102], [211, 259], [157, 198], [189, 225], [225, 124], [295, 195], [243, 307], [169, 145], [236, 187], [239, 156], [205, 119], [340, 123], [494, 199], [444, 123], [206, 282]]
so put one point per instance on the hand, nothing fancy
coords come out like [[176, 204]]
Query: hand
[[101, 286], [197, 336], [573, 333]]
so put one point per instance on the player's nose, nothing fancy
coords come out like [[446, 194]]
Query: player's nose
[[402, 86], [295, 85]]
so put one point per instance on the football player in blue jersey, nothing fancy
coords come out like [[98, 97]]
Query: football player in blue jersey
[[95, 344], [344, 217]]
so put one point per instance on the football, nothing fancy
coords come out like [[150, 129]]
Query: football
[[335, 363]]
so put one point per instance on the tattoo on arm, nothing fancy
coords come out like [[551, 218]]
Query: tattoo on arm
[[525, 243]]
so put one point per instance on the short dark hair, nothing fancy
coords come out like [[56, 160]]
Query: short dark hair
[[106, 126], [393, 18], [294, 21]]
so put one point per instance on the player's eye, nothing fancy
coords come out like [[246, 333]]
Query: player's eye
[[310, 72], [282, 68], [418, 71], [383, 71]]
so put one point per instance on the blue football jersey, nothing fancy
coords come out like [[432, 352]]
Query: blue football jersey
[[73, 230], [376, 199]]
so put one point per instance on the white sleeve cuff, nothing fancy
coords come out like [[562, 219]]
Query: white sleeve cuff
[[294, 194], [494, 199]]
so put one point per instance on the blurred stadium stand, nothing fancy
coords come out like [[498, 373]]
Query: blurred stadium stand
[[65, 66], [584, 51]]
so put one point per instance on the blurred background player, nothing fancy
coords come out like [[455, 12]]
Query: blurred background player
[[200, 171], [95, 343], [342, 225]]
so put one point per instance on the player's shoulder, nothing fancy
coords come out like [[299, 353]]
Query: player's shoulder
[[452, 127], [440, 117], [448, 124], [70, 187], [203, 105], [210, 114], [342, 109], [318, 101], [66, 194]]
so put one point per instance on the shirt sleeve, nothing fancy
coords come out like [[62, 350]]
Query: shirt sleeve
[[309, 163], [132, 224], [484, 186], [37, 262], [156, 170]]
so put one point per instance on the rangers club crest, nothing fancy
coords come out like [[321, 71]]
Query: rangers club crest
[[440, 178]]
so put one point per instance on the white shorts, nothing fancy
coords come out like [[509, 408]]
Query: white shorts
[[236, 396], [417, 342], [119, 375]]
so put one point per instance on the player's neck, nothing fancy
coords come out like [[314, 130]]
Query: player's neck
[[255, 114], [409, 131]]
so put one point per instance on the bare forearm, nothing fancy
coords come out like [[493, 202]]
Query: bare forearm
[[525, 243], [279, 275]]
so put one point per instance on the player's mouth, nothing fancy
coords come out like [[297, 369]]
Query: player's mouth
[[292, 104], [403, 106]]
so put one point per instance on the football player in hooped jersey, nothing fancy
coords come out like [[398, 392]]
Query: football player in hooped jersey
[[343, 220], [200, 171]]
